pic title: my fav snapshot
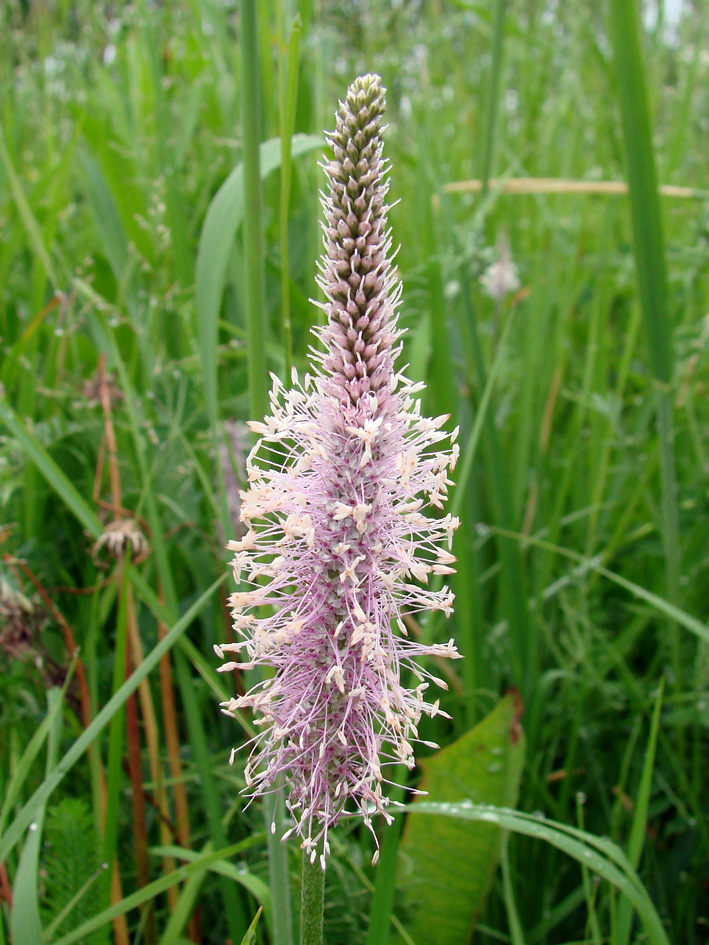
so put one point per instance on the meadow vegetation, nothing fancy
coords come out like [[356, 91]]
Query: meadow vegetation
[[126, 314]]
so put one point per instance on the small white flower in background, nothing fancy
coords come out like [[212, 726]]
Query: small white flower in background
[[500, 279]]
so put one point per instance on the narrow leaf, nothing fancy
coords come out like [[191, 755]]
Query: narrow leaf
[[25, 922], [639, 825]]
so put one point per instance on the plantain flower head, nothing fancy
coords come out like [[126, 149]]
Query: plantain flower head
[[338, 548]]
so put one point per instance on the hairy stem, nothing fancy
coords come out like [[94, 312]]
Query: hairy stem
[[313, 898]]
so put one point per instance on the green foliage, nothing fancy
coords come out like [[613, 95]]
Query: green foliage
[[600, 855], [583, 561], [25, 922], [71, 867], [223, 218]]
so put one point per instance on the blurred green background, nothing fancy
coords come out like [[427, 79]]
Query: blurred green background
[[566, 332]]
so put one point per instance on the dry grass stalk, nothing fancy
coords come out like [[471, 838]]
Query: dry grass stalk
[[555, 185]]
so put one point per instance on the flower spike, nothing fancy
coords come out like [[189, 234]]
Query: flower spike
[[337, 550]]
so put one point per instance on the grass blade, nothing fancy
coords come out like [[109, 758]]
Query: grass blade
[[600, 856], [639, 825], [649, 251], [288, 98], [25, 211], [22, 770], [253, 240], [258, 378], [556, 185], [493, 102], [25, 922], [513, 921], [114, 777], [663, 606], [380, 913]]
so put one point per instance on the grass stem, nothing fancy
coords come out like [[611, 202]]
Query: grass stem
[[288, 87], [253, 241], [493, 101], [649, 254]]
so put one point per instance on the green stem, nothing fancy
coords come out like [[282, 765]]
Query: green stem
[[253, 242], [382, 907], [313, 899], [492, 104], [278, 868], [258, 381], [524, 655], [670, 522], [288, 80], [649, 252]]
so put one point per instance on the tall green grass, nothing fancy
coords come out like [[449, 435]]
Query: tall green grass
[[157, 212]]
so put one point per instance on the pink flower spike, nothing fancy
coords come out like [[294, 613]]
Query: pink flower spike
[[335, 532]]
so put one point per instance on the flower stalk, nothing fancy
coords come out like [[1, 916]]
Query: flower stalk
[[312, 899]]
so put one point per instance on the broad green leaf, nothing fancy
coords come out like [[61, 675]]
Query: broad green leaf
[[446, 867], [224, 215]]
